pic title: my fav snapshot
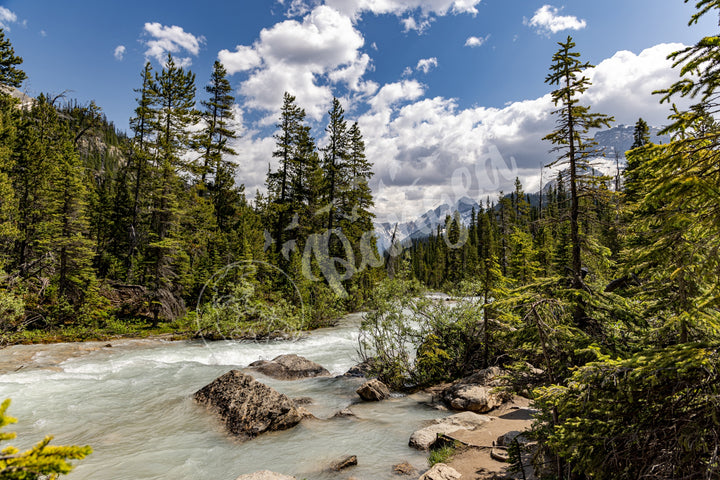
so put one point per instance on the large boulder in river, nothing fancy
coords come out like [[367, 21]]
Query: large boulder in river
[[424, 438], [265, 475], [476, 393], [440, 471], [246, 406], [373, 391], [289, 367]]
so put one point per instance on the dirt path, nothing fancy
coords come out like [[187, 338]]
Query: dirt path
[[475, 462]]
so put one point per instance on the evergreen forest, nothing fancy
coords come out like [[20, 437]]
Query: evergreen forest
[[599, 294]]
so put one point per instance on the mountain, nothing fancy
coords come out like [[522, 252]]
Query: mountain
[[616, 139], [425, 224], [620, 139]]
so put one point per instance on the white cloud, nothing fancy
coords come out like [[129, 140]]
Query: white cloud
[[410, 23], [426, 64], [547, 20], [295, 56], [354, 8], [243, 58], [6, 18], [119, 52], [171, 39], [440, 152], [476, 41]]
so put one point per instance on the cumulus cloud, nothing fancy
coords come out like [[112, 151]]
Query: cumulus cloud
[[431, 146], [119, 52], [293, 55], [242, 59], [426, 64], [354, 8], [547, 20], [476, 41], [6, 18], [411, 23], [172, 39]]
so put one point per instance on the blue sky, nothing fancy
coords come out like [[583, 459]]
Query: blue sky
[[439, 87]]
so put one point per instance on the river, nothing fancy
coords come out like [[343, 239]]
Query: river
[[132, 403]]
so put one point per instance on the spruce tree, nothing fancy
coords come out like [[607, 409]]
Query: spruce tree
[[41, 461], [10, 74], [213, 145], [218, 113], [571, 136], [334, 160]]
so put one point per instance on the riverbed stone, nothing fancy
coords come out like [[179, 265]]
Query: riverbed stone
[[373, 390], [344, 413], [345, 462], [440, 471], [424, 438], [404, 469], [360, 370], [290, 367], [477, 392], [247, 407], [265, 475]]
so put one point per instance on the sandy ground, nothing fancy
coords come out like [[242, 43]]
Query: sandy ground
[[474, 462]]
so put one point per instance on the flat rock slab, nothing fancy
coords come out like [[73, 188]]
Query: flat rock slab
[[290, 367], [424, 438], [247, 407], [265, 475]]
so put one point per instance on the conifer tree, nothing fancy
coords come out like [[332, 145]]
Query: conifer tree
[[174, 91], [213, 138], [334, 159], [136, 176], [10, 74], [41, 461], [213, 146], [573, 123], [282, 182], [641, 134]]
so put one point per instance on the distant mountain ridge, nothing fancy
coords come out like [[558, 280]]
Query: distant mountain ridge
[[617, 139], [620, 139]]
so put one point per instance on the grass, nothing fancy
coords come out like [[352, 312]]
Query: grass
[[441, 455]]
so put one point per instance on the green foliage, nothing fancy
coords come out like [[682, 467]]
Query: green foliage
[[413, 340], [10, 75], [652, 415], [242, 313], [42, 459]]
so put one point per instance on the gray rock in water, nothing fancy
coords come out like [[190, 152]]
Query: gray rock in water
[[289, 367], [345, 412], [440, 471], [265, 475], [373, 390], [360, 370], [246, 406], [404, 469], [344, 463]]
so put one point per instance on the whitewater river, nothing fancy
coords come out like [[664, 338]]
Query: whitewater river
[[132, 403]]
